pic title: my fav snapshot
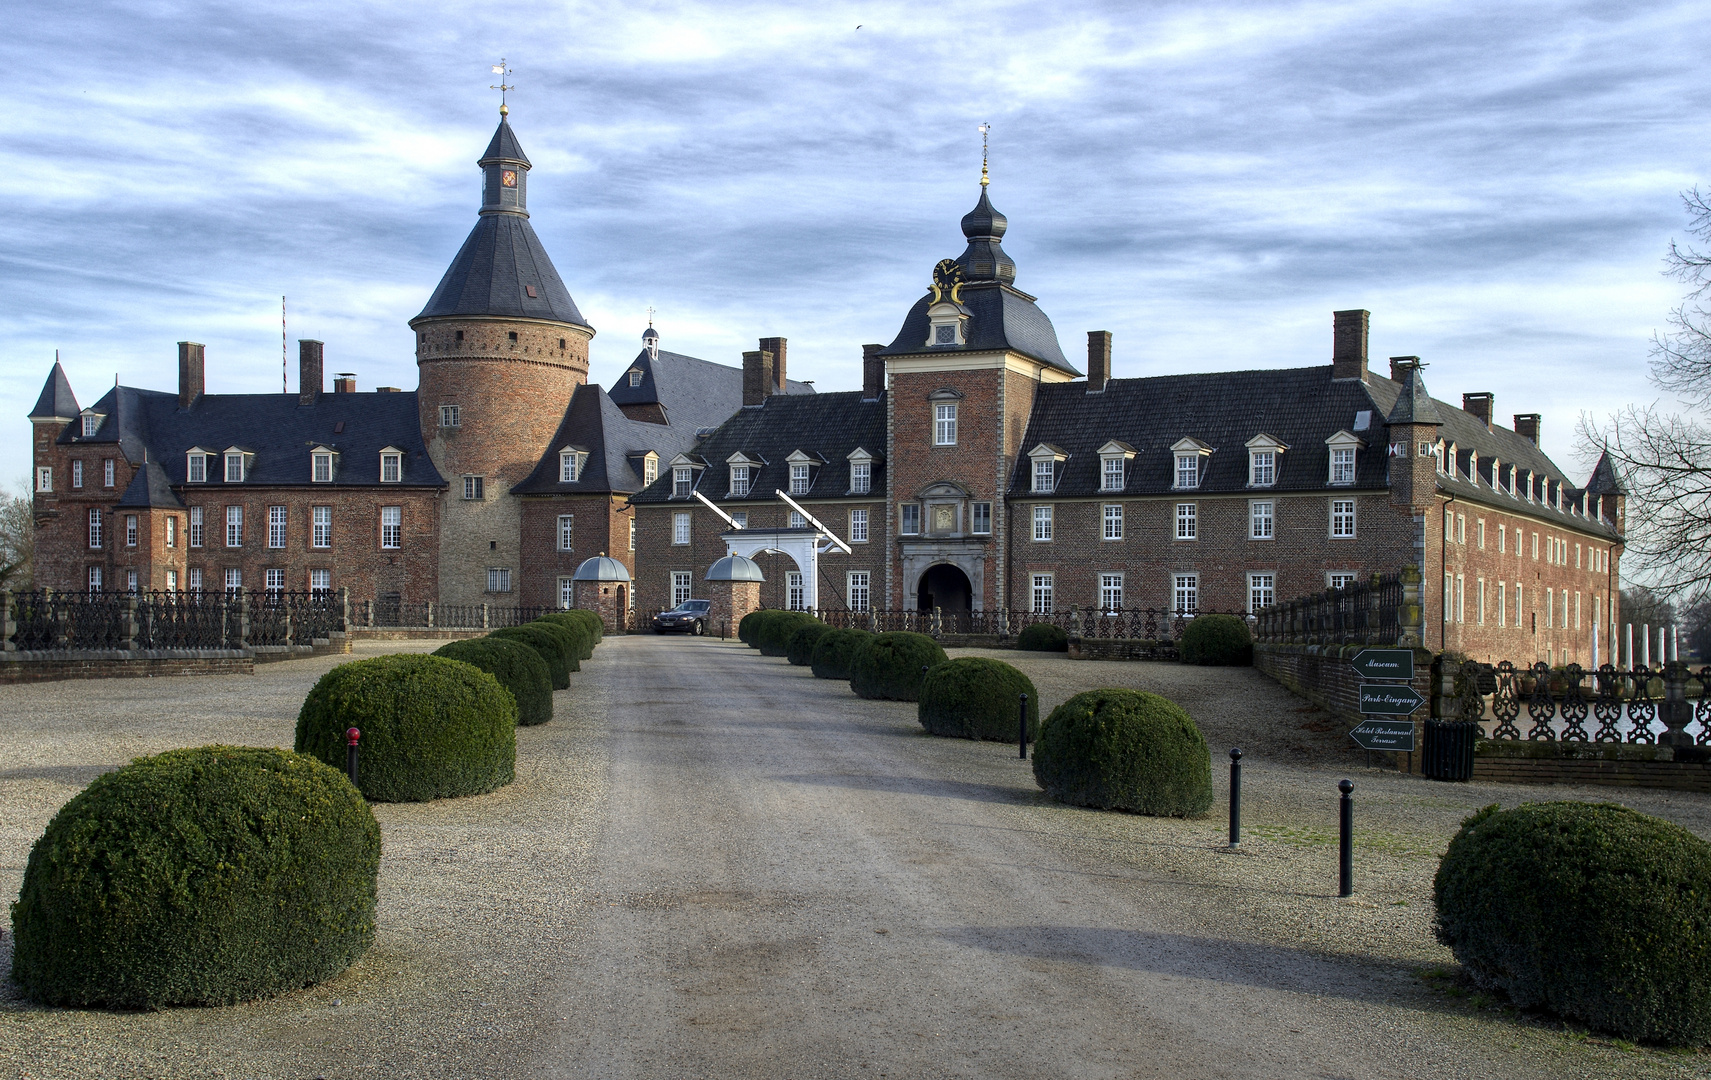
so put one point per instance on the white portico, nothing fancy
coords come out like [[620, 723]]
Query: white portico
[[803, 544]]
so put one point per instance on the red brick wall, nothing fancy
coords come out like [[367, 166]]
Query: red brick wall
[[602, 526]]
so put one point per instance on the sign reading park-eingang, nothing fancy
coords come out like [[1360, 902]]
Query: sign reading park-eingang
[[1388, 700]]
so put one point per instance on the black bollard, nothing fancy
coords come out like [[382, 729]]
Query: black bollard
[[351, 734], [1022, 741], [1235, 796], [1346, 843]]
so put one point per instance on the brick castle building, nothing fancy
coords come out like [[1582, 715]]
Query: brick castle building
[[977, 469]]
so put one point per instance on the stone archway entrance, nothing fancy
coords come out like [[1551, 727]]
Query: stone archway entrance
[[945, 587]]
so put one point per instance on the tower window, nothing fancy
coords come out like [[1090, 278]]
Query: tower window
[[635, 375], [460, 335], [513, 335], [451, 416], [561, 343]]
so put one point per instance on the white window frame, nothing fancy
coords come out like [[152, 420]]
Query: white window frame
[[632, 543], [451, 416], [1340, 579], [1342, 465], [1479, 606], [1111, 517], [172, 530], [91, 424], [569, 466], [130, 530], [321, 468], [197, 529], [278, 518], [861, 477], [94, 579], [1262, 467], [681, 528], [566, 593], [944, 423], [1342, 519], [44, 478], [741, 517], [193, 579], [799, 478], [1040, 594], [391, 527], [234, 579], [196, 468], [130, 581], [321, 527], [567, 532], [798, 520], [1110, 592], [1042, 522], [1111, 473], [1185, 593], [650, 469], [682, 481], [857, 589], [680, 587], [1262, 519], [635, 375], [858, 526], [1262, 590], [391, 468], [1502, 603], [909, 519], [273, 579], [320, 580], [108, 471], [980, 519], [1187, 521], [1187, 464], [76, 475], [1045, 476], [795, 593], [739, 481], [172, 581], [234, 468], [234, 526]]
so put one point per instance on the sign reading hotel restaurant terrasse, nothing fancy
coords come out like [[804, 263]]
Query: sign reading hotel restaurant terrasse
[[1384, 663], [1385, 735]]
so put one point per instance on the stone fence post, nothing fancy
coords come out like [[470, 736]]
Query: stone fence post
[[242, 598], [1675, 710], [1411, 615], [484, 616], [344, 608], [8, 625], [128, 622], [430, 619]]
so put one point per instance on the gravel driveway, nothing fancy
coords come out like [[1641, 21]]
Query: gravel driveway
[[714, 865]]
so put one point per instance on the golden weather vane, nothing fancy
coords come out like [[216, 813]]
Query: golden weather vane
[[984, 179], [502, 71], [650, 316]]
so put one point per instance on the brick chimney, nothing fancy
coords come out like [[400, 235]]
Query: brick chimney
[[1527, 426], [1098, 360], [1348, 343], [1399, 366], [308, 371], [872, 372], [190, 381], [775, 346], [757, 377], [1479, 405], [344, 382]]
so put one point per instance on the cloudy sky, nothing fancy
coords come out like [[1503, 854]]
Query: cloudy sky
[[1497, 183]]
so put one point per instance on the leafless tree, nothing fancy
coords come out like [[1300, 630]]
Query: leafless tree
[[1664, 458], [17, 537]]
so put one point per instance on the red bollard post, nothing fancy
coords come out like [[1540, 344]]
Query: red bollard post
[[352, 735]]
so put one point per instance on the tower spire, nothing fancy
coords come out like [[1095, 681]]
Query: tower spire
[[984, 179], [502, 71]]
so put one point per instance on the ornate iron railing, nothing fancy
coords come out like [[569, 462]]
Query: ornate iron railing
[[167, 621], [383, 613], [1377, 611], [1148, 624], [1571, 704]]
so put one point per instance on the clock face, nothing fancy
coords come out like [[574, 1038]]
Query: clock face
[[947, 273], [508, 178]]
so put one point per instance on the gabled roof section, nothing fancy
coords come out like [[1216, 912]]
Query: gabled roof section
[[56, 400], [1604, 479], [706, 391], [150, 489]]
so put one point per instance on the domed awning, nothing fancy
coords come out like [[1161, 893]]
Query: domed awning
[[735, 568], [602, 568]]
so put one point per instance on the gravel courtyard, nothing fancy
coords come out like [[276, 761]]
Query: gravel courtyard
[[714, 865]]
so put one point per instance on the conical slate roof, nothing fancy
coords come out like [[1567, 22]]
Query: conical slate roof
[[493, 272], [504, 145], [1604, 479], [57, 398], [1414, 404]]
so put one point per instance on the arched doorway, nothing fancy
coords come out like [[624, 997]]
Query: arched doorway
[[945, 587]]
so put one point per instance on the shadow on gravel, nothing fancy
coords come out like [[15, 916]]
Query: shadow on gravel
[[922, 785], [1265, 967], [78, 775]]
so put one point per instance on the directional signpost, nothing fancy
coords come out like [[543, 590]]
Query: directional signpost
[[1384, 664], [1385, 735], [1386, 699]]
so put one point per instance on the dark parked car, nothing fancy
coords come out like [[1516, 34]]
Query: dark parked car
[[691, 615]]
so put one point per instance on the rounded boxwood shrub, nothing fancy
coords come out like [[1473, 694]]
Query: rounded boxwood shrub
[[573, 620], [833, 650], [1217, 639], [774, 636], [518, 668], [549, 646], [749, 626], [1043, 637], [1592, 911], [972, 697], [1125, 750], [800, 648], [203, 876], [889, 665], [571, 638], [432, 728]]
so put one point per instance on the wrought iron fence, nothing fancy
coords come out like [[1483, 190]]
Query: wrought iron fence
[[166, 621], [1571, 704], [1362, 612], [1148, 624], [385, 613]]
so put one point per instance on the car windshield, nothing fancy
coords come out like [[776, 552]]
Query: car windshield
[[695, 606]]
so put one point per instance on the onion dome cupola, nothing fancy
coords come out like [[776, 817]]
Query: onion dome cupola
[[984, 258]]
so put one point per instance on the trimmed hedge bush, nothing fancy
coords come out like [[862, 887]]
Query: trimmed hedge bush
[[889, 665], [1043, 637], [1125, 750], [572, 639], [749, 626], [203, 876], [1217, 639], [800, 648], [774, 636], [432, 728], [548, 645], [975, 698], [833, 650], [573, 620], [518, 668], [1590, 910]]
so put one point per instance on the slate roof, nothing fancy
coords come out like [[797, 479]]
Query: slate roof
[[492, 272], [1413, 403], [1604, 479], [150, 489], [504, 145], [688, 384], [57, 398], [828, 425], [1002, 317], [278, 431]]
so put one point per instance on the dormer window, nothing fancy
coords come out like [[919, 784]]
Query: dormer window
[[740, 477], [1046, 457], [234, 467], [799, 479], [91, 424], [570, 465], [682, 481], [1190, 453], [635, 376], [1263, 451], [321, 465], [861, 471], [1342, 447], [1113, 465], [391, 465], [650, 469], [196, 467]]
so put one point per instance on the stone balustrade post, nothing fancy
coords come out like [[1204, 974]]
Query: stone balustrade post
[[1675, 710], [1411, 616], [128, 622], [484, 616], [344, 608], [430, 619], [242, 598]]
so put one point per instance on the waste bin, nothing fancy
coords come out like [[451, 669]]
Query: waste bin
[[1448, 753]]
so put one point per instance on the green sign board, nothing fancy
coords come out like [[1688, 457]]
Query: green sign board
[[1384, 664], [1388, 700], [1385, 734]]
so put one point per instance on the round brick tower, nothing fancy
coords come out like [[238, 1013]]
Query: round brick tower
[[500, 347]]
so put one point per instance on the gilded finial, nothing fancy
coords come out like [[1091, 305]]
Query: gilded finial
[[501, 70], [984, 179]]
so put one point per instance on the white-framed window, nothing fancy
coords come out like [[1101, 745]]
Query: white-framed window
[[1343, 465], [1520, 603], [569, 467], [1576, 609], [391, 526], [274, 580], [1111, 474], [566, 593], [44, 477], [680, 527], [1262, 590], [1339, 579], [856, 588], [635, 376], [795, 596], [1111, 592], [1461, 528], [234, 579], [1113, 521], [91, 424], [741, 517], [1461, 598], [682, 481], [1042, 594], [1535, 547], [196, 530], [1449, 598], [451, 416], [1187, 471], [1502, 540], [861, 477], [1550, 609], [1576, 554], [172, 530], [194, 581], [632, 543], [981, 519], [130, 530], [1187, 521], [276, 519], [1502, 603], [1262, 468], [944, 424], [1042, 523], [321, 581], [391, 468], [910, 514], [1479, 606], [739, 481], [1185, 593], [1342, 519], [1260, 519], [321, 527], [234, 526], [679, 587], [498, 579], [798, 520], [858, 526], [1045, 476], [94, 527], [94, 579], [799, 478], [475, 488], [321, 468], [1482, 534], [234, 468], [107, 473], [196, 468], [76, 476], [130, 581], [650, 469], [566, 532], [172, 581]]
